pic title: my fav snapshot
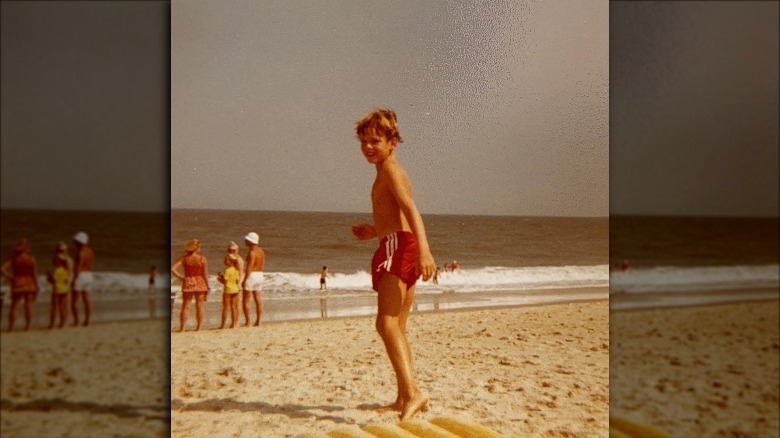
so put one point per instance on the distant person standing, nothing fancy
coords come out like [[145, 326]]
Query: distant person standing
[[60, 278], [435, 278], [323, 276], [253, 281], [454, 266], [83, 277], [21, 271], [194, 281], [229, 279], [152, 277], [233, 249]]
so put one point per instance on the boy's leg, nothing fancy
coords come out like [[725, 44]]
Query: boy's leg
[[406, 307], [391, 299]]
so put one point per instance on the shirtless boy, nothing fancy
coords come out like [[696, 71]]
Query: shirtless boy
[[253, 280], [82, 277], [403, 253]]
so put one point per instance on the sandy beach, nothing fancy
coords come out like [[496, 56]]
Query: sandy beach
[[698, 371], [108, 379], [523, 371]]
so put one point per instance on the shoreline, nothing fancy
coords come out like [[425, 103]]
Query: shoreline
[[310, 308], [621, 301]]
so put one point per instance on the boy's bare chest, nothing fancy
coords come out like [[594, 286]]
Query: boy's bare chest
[[380, 191]]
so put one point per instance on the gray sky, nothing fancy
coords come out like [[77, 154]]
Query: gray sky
[[503, 107], [84, 105], [694, 108]]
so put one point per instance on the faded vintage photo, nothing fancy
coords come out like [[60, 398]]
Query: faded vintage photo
[[389, 215]]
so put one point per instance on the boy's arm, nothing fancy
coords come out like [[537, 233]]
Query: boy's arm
[[401, 188]]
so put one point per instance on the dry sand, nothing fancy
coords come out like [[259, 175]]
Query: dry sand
[[698, 371], [104, 380], [523, 371]]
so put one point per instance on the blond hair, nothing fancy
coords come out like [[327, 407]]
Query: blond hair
[[382, 121]]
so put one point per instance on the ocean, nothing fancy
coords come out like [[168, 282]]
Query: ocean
[[126, 245], [503, 260], [692, 260]]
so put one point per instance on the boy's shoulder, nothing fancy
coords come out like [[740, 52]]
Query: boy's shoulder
[[393, 170]]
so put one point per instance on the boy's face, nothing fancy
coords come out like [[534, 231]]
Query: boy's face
[[376, 147]]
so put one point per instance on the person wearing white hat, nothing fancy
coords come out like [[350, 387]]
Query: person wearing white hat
[[81, 284], [253, 281]]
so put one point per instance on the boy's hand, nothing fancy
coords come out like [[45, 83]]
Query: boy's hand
[[364, 231], [426, 266]]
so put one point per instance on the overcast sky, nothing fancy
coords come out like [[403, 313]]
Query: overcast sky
[[694, 108], [84, 105], [503, 106]]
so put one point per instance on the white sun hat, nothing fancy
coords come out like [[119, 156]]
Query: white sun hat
[[81, 237], [252, 237]]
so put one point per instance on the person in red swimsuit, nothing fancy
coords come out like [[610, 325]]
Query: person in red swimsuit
[[403, 253], [194, 281], [20, 270]]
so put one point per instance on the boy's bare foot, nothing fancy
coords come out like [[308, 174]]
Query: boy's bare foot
[[395, 406], [416, 403], [257, 323]]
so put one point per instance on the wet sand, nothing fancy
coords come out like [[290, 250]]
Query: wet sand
[[523, 371], [109, 379], [698, 371]]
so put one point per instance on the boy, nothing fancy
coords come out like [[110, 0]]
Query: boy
[[403, 252]]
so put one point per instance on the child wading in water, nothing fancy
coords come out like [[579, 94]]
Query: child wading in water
[[230, 293], [403, 253]]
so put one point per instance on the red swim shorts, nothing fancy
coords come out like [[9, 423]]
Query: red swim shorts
[[397, 254]]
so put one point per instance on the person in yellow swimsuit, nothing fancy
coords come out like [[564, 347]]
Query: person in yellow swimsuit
[[229, 279], [60, 285]]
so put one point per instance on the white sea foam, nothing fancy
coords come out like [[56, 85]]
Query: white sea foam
[[462, 281], [112, 283], [686, 279]]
